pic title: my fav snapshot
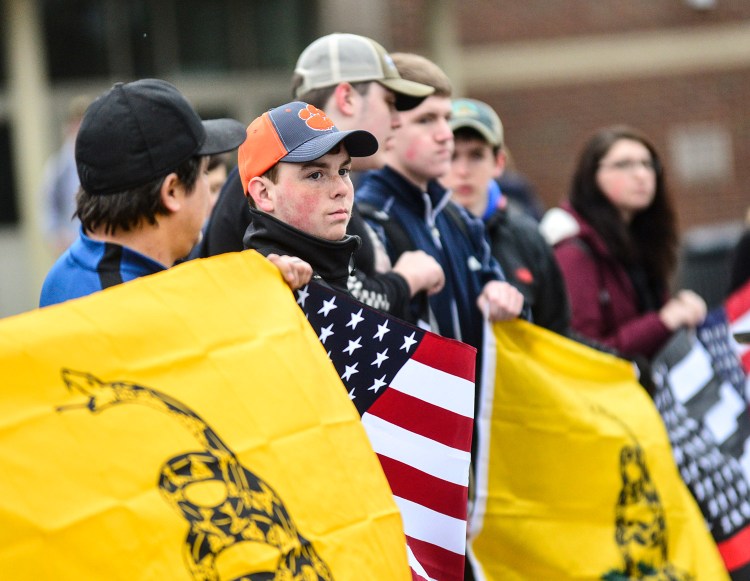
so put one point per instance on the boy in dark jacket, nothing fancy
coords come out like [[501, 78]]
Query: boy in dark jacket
[[406, 197], [527, 260], [352, 79], [294, 168]]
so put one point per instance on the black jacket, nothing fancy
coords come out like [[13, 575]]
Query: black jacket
[[529, 265], [331, 261], [740, 269], [231, 217]]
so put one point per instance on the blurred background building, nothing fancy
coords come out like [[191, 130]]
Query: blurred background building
[[555, 70]]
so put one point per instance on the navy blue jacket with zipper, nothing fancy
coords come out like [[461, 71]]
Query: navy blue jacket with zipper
[[461, 249]]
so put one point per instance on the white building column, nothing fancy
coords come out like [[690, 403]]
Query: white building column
[[443, 41], [30, 118]]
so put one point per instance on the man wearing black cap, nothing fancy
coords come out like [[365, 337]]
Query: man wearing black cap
[[141, 154], [353, 79], [527, 260]]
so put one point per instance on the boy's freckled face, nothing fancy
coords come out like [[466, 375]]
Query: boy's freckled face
[[315, 197]]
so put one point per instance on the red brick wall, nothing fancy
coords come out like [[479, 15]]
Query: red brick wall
[[522, 20], [483, 21], [546, 127]]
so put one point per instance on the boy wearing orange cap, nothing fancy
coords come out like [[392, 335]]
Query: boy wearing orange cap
[[294, 166]]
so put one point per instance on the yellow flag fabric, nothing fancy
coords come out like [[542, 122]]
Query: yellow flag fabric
[[187, 425], [576, 478]]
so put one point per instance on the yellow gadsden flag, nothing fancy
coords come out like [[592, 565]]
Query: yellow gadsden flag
[[187, 425], [575, 476]]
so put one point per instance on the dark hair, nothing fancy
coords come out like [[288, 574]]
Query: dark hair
[[471, 134], [127, 209], [219, 159], [651, 237], [319, 97], [272, 174]]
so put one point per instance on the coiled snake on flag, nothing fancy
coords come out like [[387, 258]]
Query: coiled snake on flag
[[251, 510]]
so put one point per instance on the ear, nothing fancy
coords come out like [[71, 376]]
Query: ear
[[259, 190], [500, 161], [345, 98], [172, 192]]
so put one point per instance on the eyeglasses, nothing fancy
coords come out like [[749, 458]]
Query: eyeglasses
[[630, 165]]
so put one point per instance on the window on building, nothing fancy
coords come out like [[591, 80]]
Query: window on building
[[3, 41], [294, 27], [138, 38], [202, 29], [240, 35], [702, 153], [8, 206], [75, 31]]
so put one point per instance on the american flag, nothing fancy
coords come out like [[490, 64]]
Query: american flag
[[738, 316], [702, 396], [415, 393]]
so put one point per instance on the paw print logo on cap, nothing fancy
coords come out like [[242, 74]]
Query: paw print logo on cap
[[315, 118]]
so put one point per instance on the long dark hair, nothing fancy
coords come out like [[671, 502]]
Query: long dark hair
[[650, 240]]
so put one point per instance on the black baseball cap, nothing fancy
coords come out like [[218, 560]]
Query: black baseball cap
[[136, 132]]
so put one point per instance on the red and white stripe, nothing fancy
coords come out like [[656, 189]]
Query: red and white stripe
[[421, 429], [734, 550]]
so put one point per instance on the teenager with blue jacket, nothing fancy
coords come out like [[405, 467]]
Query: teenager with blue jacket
[[409, 208], [524, 255], [142, 156]]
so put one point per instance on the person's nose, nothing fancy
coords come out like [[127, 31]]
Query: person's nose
[[642, 173], [443, 132], [460, 167], [643, 169], [342, 187]]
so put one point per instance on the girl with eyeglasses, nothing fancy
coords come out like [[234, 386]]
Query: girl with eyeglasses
[[616, 242]]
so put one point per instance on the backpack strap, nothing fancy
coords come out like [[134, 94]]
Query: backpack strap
[[398, 240], [454, 213]]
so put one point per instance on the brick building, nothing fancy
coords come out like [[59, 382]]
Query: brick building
[[557, 70], [554, 69]]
